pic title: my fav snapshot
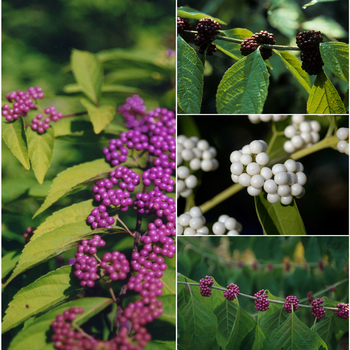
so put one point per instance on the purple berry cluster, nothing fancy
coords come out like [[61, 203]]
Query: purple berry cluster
[[232, 291], [115, 265], [249, 45], [206, 29], [261, 303], [318, 310], [28, 234], [205, 284], [182, 25], [22, 102], [133, 110], [291, 300], [343, 312], [40, 125]]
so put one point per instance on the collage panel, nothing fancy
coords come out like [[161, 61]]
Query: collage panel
[[263, 292], [264, 174]]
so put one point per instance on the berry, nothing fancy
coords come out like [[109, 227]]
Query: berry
[[309, 40], [344, 310], [182, 25], [232, 292], [261, 303], [28, 234], [249, 45], [317, 310], [291, 300], [205, 283], [206, 29]]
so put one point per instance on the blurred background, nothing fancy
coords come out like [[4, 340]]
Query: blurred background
[[325, 206], [284, 19]]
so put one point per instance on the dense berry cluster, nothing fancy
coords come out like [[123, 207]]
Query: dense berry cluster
[[205, 284], [192, 223], [249, 45], [182, 25], [257, 118], [302, 133], [343, 144], [232, 291], [343, 312], [261, 303], [227, 223], [309, 42], [318, 310], [206, 29], [291, 300], [281, 183], [199, 155], [29, 233]]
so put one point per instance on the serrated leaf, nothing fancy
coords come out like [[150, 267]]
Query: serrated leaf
[[254, 340], [169, 284], [201, 326], [273, 321], [34, 337], [189, 12], [15, 139], [40, 295], [40, 149], [243, 88], [324, 98], [88, 73], [53, 243], [294, 334], [169, 308], [100, 116], [189, 78], [335, 56], [73, 179], [181, 325], [294, 66], [233, 49], [244, 323], [278, 219], [314, 2], [8, 262]]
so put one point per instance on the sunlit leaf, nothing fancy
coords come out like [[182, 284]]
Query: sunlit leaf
[[326, 25], [191, 13], [314, 2]]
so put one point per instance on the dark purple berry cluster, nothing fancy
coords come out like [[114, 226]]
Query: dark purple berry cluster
[[309, 42], [343, 312], [261, 303], [206, 29], [318, 310], [29, 233], [291, 300], [205, 284], [249, 45], [182, 25], [232, 291]]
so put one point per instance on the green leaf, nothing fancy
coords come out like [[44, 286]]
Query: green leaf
[[169, 308], [191, 13], [226, 315], [326, 25], [314, 2], [254, 340], [14, 136], [34, 337], [335, 56], [160, 345], [181, 325], [8, 262], [244, 323], [88, 73], [169, 283], [74, 88], [40, 295], [324, 98], [294, 334], [201, 326], [72, 179], [189, 78], [40, 148], [273, 321], [233, 49], [243, 88], [294, 66], [278, 219], [100, 116]]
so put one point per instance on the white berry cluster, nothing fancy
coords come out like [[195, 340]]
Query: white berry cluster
[[343, 144], [199, 155], [302, 133], [257, 118], [227, 223], [191, 223], [281, 183]]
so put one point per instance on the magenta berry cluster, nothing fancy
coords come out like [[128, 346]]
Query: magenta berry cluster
[[291, 300], [206, 29], [205, 284], [249, 45], [317, 308], [232, 291], [115, 265], [29, 233], [42, 122], [182, 25], [343, 312], [261, 302]]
